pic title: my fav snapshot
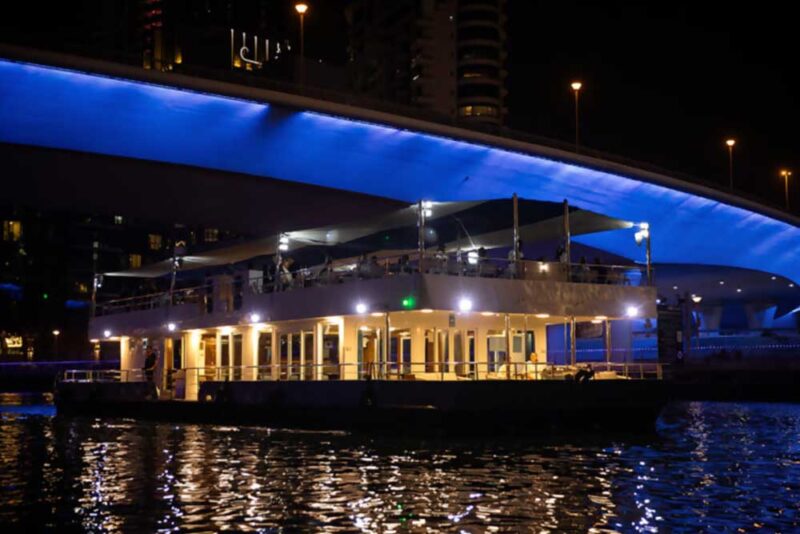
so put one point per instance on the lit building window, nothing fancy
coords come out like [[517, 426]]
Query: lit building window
[[135, 261], [477, 111], [118, 219], [154, 240], [211, 235], [82, 287], [12, 230]]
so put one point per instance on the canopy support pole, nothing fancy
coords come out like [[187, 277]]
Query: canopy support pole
[[96, 278], [276, 282], [421, 237], [649, 260], [567, 237], [515, 248]]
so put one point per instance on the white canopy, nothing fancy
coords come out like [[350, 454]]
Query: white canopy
[[581, 222]]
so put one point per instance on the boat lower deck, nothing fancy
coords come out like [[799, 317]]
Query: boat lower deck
[[463, 408]]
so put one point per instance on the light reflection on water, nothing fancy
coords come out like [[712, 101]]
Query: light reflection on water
[[711, 467]]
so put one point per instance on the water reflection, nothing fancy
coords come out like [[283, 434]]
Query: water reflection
[[711, 467]]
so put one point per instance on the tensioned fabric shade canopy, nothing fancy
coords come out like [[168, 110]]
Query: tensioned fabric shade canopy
[[455, 225]]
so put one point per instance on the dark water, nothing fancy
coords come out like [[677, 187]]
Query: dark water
[[711, 467]]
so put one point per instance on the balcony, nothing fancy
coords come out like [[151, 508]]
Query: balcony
[[388, 285]]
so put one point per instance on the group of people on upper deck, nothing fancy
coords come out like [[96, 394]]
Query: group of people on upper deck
[[474, 263]]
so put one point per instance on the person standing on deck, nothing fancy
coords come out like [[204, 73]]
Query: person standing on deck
[[150, 365]]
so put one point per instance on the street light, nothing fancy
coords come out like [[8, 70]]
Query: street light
[[56, 333], [786, 174], [576, 87], [301, 9], [730, 143]]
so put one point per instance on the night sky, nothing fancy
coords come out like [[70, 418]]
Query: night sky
[[664, 83]]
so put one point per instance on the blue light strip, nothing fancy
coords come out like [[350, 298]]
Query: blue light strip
[[56, 108]]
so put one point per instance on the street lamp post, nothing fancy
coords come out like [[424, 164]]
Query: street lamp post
[[785, 173], [730, 143], [576, 88], [56, 333], [301, 9]]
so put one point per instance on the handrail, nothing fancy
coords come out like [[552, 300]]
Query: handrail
[[465, 264], [387, 370], [102, 375]]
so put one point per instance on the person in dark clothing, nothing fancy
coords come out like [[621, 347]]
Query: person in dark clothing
[[150, 365], [584, 374]]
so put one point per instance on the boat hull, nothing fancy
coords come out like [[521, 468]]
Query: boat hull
[[463, 408]]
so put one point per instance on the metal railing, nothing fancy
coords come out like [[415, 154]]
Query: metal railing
[[454, 265], [230, 293], [192, 295], [103, 375], [390, 370]]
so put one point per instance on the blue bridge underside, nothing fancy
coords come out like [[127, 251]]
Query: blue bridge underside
[[44, 106]]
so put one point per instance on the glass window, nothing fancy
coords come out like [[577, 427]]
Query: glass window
[[330, 351], [211, 235], [495, 349], [177, 353], [477, 111], [488, 15], [430, 352], [309, 369], [118, 219], [468, 53], [296, 339], [479, 71], [134, 261], [479, 32], [264, 349], [400, 350], [236, 356], [479, 90], [12, 230], [154, 241], [225, 351]]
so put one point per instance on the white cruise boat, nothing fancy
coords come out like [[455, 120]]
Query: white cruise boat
[[429, 316]]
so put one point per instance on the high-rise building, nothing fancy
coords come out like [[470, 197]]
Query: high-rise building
[[48, 262], [180, 35], [447, 56]]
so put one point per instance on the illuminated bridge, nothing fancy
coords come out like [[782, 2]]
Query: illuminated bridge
[[169, 132]]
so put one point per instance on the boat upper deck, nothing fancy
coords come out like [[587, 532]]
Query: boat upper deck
[[388, 284]]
